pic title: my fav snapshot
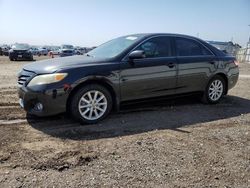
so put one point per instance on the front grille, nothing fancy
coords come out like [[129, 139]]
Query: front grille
[[67, 51], [20, 51], [24, 77]]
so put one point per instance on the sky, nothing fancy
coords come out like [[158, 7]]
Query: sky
[[92, 22]]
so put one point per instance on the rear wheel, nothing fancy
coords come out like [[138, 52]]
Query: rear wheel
[[214, 90], [91, 104]]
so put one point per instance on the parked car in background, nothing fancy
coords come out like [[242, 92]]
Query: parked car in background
[[1, 51], [34, 51], [80, 50], [125, 69], [55, 51], [20, 52], [5, 50], [43, 51], [66, 50]]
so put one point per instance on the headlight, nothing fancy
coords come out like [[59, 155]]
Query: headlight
[[47, 79]]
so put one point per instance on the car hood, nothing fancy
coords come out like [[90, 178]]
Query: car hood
[[18, 49], [55, 64], [68, 49]]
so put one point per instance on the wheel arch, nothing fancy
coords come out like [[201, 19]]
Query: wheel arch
[[97, 81], [226, 81]]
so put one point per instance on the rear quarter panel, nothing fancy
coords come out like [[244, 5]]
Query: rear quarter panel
[[226, 65], [194, 73]]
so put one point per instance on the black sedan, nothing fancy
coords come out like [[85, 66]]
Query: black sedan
[[124, 69], [20, 52]]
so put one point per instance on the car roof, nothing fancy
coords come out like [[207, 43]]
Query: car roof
[[168, 34]]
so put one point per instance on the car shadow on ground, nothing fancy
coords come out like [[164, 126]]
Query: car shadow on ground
[[144, 117]]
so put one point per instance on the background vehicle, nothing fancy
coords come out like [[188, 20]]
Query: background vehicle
[[43, 51], [125, 69], [55, 51], [80, 51], [5, 50], [66, 50], [20, 52], [34, 51]]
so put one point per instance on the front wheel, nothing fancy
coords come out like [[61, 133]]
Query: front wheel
[[91, 104], [214, 90]]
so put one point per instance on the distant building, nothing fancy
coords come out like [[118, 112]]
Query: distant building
[[243, 54], [227, 47]]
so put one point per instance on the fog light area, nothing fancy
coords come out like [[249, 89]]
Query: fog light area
[[38, 107]]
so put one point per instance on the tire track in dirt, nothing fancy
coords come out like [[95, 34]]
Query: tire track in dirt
[[11, 113]]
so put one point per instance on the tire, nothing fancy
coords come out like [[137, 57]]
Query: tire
[[81, 106], [215, 90]]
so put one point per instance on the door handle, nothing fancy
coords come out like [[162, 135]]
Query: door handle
[[171, 65], [212, 62]]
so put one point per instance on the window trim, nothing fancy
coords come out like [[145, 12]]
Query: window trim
[[125, 58], [173, 47]]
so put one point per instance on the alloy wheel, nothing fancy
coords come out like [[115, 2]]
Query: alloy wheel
[[215, 90], [92, 105]]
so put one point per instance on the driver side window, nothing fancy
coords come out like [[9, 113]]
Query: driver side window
[[156, 47]]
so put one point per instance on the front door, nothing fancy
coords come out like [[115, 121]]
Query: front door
[[152, 76]]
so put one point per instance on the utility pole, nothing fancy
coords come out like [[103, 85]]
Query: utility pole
[[247, 58], [249, 38]]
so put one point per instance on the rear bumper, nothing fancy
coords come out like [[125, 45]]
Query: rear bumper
[[53, 101], [233, 76], [232, 80]]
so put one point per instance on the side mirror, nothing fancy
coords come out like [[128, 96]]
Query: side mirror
[[137, 54]]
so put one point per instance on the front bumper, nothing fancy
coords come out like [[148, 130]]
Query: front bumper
[[53, 101], [21, 56], [66, 53]]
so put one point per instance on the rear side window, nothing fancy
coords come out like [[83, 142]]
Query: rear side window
[[187, 47], [156, 47]]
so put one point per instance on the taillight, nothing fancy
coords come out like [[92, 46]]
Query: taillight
[[236, 62]]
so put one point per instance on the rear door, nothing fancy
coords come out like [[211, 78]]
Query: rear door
[[154, 75], [195, 65]]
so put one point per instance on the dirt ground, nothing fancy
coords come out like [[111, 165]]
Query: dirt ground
[[167, 143]]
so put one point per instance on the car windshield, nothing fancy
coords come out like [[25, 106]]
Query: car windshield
[[21, 46], [114, 47], [67, 47]]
